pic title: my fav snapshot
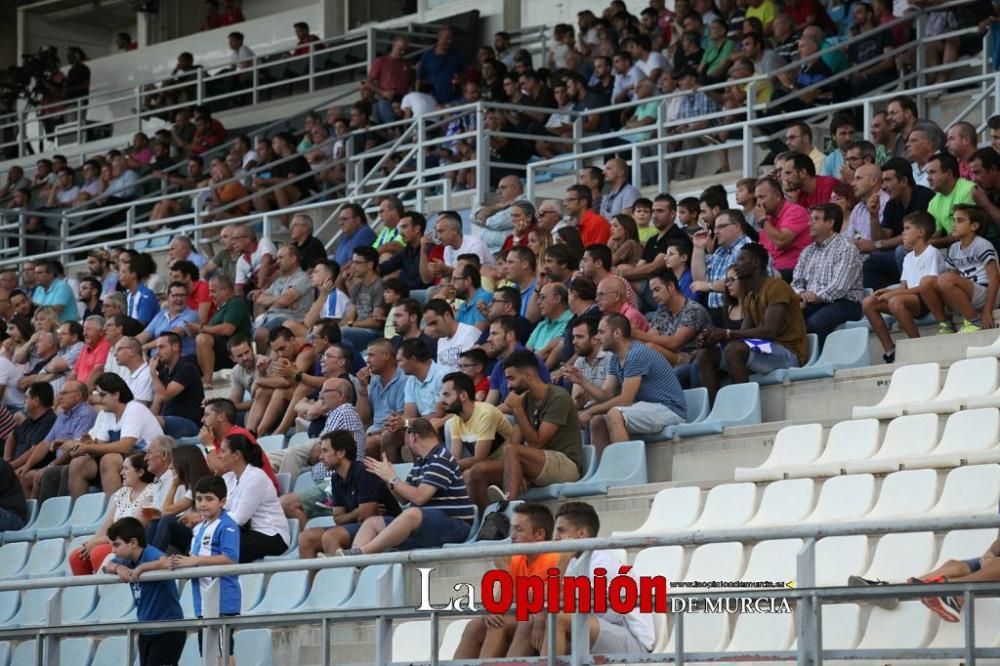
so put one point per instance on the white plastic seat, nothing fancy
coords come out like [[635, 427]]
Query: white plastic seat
[[13, 557], [286, 590], [330, 588], [843, 498], [672, 509], [843, 625], [452, 637], [909, 493], [411, 641], [840, 557], [758, 632], [847, 440], [717, 561], [703, 632], [909, 626], [784, 502], [914, 435], [899, 555], [793, 445], [970, 491], [990, 350], [968, 378], [271, 443], [254, 647], [952, 634], [964, 544], [909, 384], [728, 505], [970, 435], [773, 560], [666, 561]]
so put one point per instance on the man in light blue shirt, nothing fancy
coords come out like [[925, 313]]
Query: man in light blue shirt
[[354, 232], [468, 285], [123, 181], [54, 292], [173, 318], [421, 395], [386, 386]]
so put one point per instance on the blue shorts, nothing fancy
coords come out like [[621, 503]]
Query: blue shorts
[[273, 322], [436, 529], [761, 363], [974, 564]]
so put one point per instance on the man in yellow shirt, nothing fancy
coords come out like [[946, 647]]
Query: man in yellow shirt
[[765, 10]]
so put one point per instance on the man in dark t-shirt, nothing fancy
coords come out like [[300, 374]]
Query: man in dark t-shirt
[[13, 507], [354, 495], [177, 391]]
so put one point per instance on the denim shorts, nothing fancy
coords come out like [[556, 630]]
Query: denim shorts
[[761, 363], [436, 529], [974, 564]]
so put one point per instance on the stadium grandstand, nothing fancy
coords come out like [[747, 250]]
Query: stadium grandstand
[[327, 323]]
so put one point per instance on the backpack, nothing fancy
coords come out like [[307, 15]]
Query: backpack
[[496, 526]]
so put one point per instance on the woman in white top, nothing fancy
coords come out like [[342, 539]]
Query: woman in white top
[[125, 426], [253, 502], [127, 502]]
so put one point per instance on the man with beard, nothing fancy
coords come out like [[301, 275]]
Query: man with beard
[[478, 432], [501, 343], [406, 319]]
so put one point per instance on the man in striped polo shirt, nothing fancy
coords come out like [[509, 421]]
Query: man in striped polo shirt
[[440, 511]]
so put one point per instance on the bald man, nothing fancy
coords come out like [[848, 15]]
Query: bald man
[[611, 300], [492, 222], [865, 224]]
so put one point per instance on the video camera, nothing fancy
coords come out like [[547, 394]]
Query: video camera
[[16, 82]]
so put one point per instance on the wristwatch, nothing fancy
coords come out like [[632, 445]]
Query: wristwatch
[[298, 377], [878, 245], [393, 481]]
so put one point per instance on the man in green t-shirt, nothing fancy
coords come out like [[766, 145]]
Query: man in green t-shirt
[[949, 189], [232, 316], [546, 446]]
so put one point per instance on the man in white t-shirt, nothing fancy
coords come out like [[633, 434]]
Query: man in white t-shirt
[[128, 354], [610, 632], [254, 266], [13, 397], [449, 232], [453, 336], [418, 102]]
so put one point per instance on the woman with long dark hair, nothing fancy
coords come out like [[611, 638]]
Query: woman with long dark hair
[[253, 502]]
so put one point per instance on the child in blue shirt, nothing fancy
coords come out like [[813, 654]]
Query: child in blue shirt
[[155, 601], [216, 542]]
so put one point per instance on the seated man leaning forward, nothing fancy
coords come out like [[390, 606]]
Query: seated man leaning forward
[[440, 511], [355, 496], [546, 446]]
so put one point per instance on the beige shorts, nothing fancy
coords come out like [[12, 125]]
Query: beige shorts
[[558, 468]]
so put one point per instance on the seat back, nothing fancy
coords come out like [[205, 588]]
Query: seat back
[[589, 462], [762, 631], [839, 557], [112, 650], [286, 590], [88, 509], [737, 404], [304, 481], [46, 558], [952, 634], [851, 440], [846, 348], [271, 443], [796, 445], [897, 553], [13, 557], [728, 505], [330, 589], [622, 464], [785, 502], [452, 637], [284, 482], [910, 492], [908, 627], [402, 469], [913, 435], [673, 509], [76, 651], [843, 624], [848, 497], [970, 376], [913, 383], [26, 653], [812, 345], [78, 603], [34, 608], [970, 490], [970, 430], [668, 562], [10, 601], [53, 512], [773, 560], [114, 602], [4, 653], [697, 403], [957, 544], [377, 587], [728, 557], [254, 647], [298, 438], [411, 641], [251, 588]]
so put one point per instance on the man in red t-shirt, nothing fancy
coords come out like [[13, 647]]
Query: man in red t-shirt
[[489, 636], [594, 229], [390, 76], [217, 424], [802, 185]]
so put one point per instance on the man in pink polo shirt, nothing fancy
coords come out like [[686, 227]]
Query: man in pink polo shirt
[[786, 226], [96, 347], [611, 299]]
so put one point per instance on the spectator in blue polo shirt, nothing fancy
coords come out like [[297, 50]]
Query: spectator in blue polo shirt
[[439, 66], [141, 303], [173, 318], [355, 495], [640, 395], [440, 511], [354, 232], [54, 292], [468, 284], [501, 344], [386, 386], [421, 395]]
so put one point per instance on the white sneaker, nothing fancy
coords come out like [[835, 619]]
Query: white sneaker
[[496, 494]]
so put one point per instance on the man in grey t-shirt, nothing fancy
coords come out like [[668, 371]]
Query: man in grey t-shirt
[[288, 297]]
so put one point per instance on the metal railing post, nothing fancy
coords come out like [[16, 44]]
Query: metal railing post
[[661, 147], [866, 111], [636, 166], [312, 68], [22, 133], [482, 157], [79, 121], [370, 43], [49, 648], [805, 577], [446, 194], [130, 222], [921, 58], [969, 618], [196, 206], [254, 81], [199, 81], [421, 158], [22, 242], [996, 94], [63, 235], [577, 136]]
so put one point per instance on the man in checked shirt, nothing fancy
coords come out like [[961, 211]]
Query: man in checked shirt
[[827, 276]]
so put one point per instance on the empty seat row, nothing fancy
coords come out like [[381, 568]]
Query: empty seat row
[[90, 604], [913, 441], [60, 517], [966, 491], [253, 648], [916, 389]]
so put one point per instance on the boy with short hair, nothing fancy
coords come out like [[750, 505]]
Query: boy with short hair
[[688, 211], [904, 302], [155, 601], [215, 543], [974, 279], [642, 213], [747, 200], [678, 260]]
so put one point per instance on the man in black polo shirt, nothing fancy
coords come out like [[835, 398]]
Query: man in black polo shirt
[[653, 261], [177, 391], [407, 263], [310, 248], [355, 495], [38, 421]]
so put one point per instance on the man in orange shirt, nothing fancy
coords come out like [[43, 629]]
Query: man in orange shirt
[[489, 636], [594, 229], [90, 363]]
